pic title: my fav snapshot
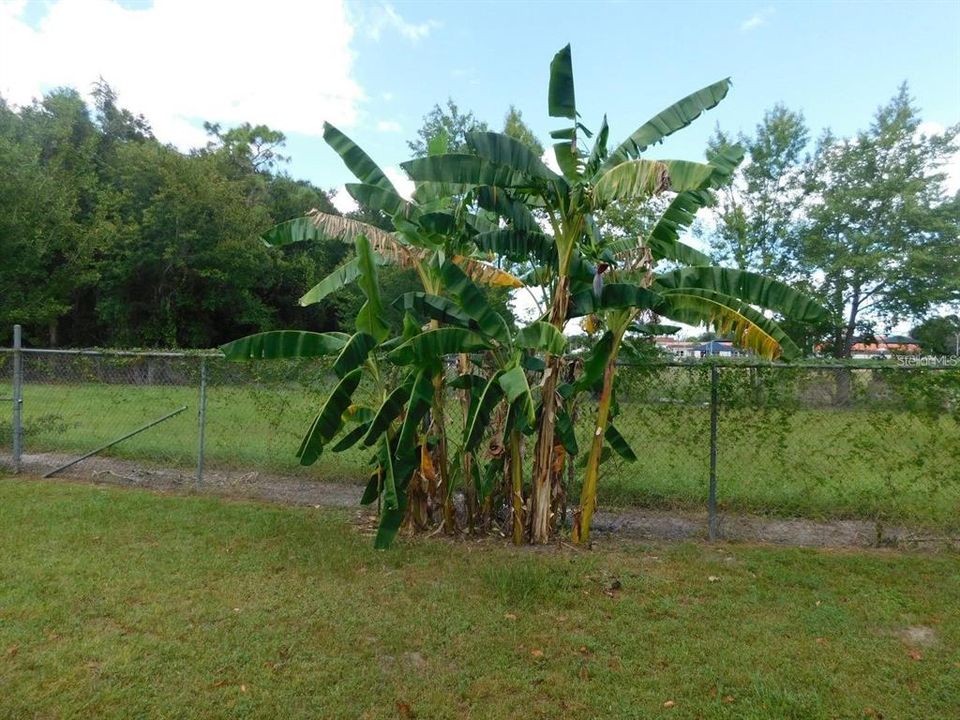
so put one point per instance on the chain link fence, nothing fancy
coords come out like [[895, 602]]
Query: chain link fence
[[818, 441]]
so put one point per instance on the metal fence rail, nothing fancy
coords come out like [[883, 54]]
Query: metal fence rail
[[817, 439]]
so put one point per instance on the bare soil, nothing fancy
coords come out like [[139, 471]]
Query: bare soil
[[626, 523]]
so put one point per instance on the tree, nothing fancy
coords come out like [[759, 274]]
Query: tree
[[758, 209], [449, 123], [515, 127], [881, 242], [939, 335], [50, 210]]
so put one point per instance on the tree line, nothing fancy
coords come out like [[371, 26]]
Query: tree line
[[111, 238], [864, 224]]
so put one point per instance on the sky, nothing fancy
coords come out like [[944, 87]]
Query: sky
[[375, 68]]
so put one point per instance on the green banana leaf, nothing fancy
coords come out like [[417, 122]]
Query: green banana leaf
[[336, 280], [421, 398], [614, 296], [431, 346], [370, 317], [377, 198], [504, 150], [351, 438], [561, 99], [639, 179], [664, 239], [359, 163], [434, 307], [284, 344], [517, 245], [479, 419], [354, 353], [542, 336], [498, 201], [752, 329], [389, 411], [619, 443], [474, 303], [668, 121], [747, 286], [565, 433], [329, 420], [460, 172], [514, 384]]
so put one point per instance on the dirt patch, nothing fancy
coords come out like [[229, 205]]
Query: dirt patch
[[633, 523], [918, 635]]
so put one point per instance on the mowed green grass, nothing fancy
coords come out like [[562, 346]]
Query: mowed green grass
[[121, 603], [875, 464]]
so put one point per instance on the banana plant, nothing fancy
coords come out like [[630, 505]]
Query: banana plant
[[638, 296], [589, 181], [426, 234]]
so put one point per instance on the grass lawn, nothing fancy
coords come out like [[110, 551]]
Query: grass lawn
[[895, 466], [120, 603]]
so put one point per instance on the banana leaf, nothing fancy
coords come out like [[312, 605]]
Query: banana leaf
[[329, 420], [284, 344]]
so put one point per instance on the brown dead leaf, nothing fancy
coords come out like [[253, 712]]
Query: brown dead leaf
[[872, 713], [13, 650], [243, 688], [404, 710], [915, 654], [728, 699], [509, 616], [559, 455], [669, 704], [537, 653]]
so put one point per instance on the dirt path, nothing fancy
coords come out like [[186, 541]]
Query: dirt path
[[634, 523]]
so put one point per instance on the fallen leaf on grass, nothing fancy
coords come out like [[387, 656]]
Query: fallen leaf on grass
[[537, 653], [509, 616], [404, 710], [728, 699], [669, 704], [713, 578], [915, 655], [243, 688], [13, 650]]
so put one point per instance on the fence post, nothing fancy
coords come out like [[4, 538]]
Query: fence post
[[17, 398], [713, 530], [201, 419]]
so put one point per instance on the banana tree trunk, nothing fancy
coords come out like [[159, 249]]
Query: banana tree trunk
[[444, 491], [470, 490], [588, 496], [516, 486], [541, 493]]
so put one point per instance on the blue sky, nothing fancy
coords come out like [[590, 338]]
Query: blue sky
[[375, 68], [835, 61]]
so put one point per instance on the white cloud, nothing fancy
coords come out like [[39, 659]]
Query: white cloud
[[385, 17], [389, 126], [404, 185], [180, 63], [549, 158], [756, 20], [343, 202]]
